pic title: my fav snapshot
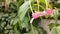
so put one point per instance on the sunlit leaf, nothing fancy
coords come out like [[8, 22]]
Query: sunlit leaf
[[55, 30], [22, 10]]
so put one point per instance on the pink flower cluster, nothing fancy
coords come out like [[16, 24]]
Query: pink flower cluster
[[44, 13]]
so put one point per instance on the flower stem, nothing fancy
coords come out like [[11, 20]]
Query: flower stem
[[46, 4], [32, 25], [32, 29], [31, 20], [30, 6], [38, 5]]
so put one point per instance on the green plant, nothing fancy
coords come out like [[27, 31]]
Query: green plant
[[17, 19]]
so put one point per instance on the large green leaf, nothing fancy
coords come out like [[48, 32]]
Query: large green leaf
[[23, 10], [58, 1], [22, 14], [55, 30], [19, 3], [25, 23]]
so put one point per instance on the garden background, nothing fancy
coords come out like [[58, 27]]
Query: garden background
[[16, 17]]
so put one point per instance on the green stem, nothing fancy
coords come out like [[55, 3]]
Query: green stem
[[30, 6], [46, 4], [32, 25], [55, 23], [38, 5], [32, 29], [56, 31]]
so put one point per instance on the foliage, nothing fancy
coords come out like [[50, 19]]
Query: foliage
[[16, 19]]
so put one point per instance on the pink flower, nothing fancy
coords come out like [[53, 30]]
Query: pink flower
[[53, 11], [35, 15], [43, 13], [48, 11]]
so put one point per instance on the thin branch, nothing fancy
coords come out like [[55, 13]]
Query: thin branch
[[38, 5], [46, 4], [30, 6]]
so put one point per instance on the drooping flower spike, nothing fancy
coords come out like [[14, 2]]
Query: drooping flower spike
[[48, 11], [35, 15], [43, 13]]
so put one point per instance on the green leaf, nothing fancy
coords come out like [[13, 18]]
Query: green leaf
[[35, 31], [58, 1], [23, 10], [51, 25], [43, 1], [55, 15], [15, 21], [19, 3], [55, 30], [25, 23]]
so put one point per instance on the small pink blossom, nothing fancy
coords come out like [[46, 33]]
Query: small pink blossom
[[48, 11], [43, 13], [35, 15]]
